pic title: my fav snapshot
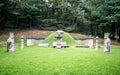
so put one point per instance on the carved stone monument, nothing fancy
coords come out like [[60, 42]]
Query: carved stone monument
[[59, 43], [10, 43], [107, 42], [22, 42], [59, 39], [96, 46]]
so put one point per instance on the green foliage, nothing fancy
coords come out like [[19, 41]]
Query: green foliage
[[48, 20], [110, 16], [66, 38], [110, 12], [96, 16], [78, 36], [70, 29]]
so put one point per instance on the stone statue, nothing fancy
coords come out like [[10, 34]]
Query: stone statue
[[10, 44], [107, 42]]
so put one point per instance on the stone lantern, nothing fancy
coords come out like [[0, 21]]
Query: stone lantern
[[59, 39]]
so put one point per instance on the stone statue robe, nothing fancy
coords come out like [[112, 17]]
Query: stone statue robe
[[10, 45], [107, 45]]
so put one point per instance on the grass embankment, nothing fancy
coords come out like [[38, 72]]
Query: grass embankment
[[69, 61], [66, 38]]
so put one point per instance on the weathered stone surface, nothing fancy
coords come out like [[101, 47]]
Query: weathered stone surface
[[54, 44], [43, 45], [90, 43], [29, 40], [107, 42], [10, 44], [22, 42], [64, 44], [59, 43], [59, 39]]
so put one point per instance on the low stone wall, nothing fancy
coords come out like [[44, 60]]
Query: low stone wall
[[31, 40], [82, 41], [87, 41]]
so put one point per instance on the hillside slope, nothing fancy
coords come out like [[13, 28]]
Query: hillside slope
[[66, 38]]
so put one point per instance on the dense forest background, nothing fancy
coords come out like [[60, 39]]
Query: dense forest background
[[92, 17]]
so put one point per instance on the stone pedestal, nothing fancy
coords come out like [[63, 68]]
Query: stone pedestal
[[22, 42], [64, 44], [43, 45]]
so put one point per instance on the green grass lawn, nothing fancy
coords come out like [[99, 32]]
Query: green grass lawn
[[48, 61]]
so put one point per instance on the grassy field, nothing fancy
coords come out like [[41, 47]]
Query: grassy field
[[48, 61]]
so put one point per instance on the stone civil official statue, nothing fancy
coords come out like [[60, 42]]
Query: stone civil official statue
[[10, 44], [107, 43]]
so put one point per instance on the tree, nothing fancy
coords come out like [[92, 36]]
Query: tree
[[3, 12], [110, 16]]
